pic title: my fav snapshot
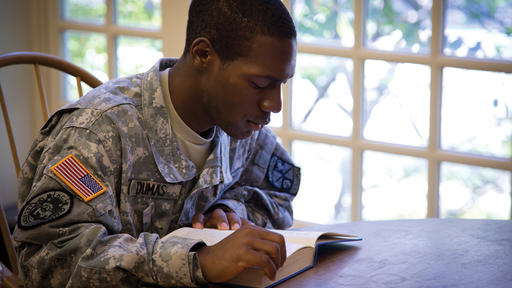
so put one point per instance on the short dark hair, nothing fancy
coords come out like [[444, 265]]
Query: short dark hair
[[230, 25]]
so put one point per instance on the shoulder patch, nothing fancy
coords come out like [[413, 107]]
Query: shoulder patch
[[78, 178], [283, 175], [44, 208]]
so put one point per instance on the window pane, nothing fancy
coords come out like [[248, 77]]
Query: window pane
[[140, 14], [322, 94], [88, 11], [136, 54], [87, 50], [481, 29], [276, 119], [394, 186], [399, 25], [325, 194], [396, 102], [325, 21], [474, 192], [476, 114]]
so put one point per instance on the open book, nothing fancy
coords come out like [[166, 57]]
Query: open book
[[301, 251]]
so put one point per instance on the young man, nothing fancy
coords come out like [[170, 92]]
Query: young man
[[180, 145]]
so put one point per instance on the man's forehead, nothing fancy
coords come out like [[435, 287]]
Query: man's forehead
[[271, 57]]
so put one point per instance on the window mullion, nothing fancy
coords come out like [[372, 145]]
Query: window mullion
[[287, 116], [111, 40], [286, 138], [49, 30], [435, 108], [356, 114], [356, 138]]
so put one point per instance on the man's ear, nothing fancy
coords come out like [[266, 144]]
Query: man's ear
[[202, 53]]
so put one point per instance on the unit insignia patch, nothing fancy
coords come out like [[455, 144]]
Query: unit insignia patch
[[283, 175], [44, 208]]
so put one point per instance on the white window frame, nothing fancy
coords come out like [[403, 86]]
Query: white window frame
[[357, 144]]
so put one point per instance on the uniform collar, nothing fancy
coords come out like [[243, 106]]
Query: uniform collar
[[173, 164], [217, 167]]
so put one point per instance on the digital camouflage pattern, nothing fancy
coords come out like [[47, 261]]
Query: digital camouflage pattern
[[120, 132]]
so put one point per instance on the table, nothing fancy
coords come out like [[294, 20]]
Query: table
[[415, 253]]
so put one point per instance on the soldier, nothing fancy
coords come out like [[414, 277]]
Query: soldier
[[183, 144]]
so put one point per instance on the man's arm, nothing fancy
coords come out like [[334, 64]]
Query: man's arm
[[64, 240], [264, 193], [87, 256]]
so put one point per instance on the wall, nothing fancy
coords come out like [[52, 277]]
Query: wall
[[15, 35]]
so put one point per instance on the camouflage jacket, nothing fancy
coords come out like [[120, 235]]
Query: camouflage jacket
[[105, 180]]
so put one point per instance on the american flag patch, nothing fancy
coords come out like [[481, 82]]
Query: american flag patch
[[78, 178]]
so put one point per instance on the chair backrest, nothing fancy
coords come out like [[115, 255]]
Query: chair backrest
[[8, 255], [36, 60]]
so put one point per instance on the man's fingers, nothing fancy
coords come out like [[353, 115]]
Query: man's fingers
[[198, 221], [265, 262], [217, 219], [273, 237], [267, 242], [234, 221], [246, 222], [271, 249]]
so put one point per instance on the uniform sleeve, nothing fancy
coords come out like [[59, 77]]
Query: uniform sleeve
[[268, 184], [64, 240]]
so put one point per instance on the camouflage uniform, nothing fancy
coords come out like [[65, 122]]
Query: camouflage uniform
[[119, 133]]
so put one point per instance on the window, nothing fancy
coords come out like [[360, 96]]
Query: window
[[110, 38], [401, 109]]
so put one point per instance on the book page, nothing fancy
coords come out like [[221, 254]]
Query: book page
[[309, 238], [213, 236], [295, 240]]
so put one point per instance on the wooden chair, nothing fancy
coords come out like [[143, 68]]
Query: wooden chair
[[36, 59], [8, 256]]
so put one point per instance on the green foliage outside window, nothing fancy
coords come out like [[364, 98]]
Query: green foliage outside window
[[140, 14], [89, 11], [405, 26]]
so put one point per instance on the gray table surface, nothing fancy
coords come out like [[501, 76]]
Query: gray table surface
[[415, 253]]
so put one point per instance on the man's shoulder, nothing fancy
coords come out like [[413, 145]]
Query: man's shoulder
[[122, 94], [126, 90]]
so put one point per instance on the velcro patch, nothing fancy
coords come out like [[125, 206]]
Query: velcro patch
[[283, 175], [78, 178], [44, 208]]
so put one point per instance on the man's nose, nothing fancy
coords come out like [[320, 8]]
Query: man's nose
[[272, 101]]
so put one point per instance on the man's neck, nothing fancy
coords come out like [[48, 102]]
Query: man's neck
[[186, 97]]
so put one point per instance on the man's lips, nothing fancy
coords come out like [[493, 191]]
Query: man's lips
[[257, 125]]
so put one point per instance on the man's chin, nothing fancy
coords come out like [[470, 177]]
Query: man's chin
[[240, 134]]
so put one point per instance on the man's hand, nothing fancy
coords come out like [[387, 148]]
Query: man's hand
[[218, 219], [249, 246]]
